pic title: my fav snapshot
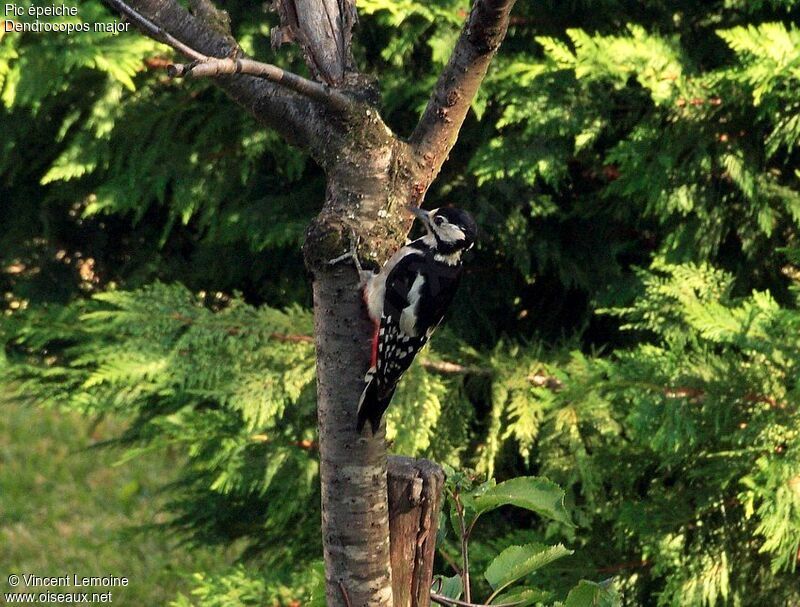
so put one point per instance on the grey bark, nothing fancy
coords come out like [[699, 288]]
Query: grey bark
[[355, 519]]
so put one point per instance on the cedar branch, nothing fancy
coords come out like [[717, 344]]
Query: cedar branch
[[443, 367]]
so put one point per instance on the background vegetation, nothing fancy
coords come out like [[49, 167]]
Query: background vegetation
[[628, 326], [67, 507]]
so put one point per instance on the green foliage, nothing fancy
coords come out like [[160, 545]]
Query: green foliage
[[627, 327], [153, 355], [239, 587], [589, 593], [704, 406], [515, 563], [535, 494]]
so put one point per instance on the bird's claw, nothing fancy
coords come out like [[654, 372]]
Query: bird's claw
[[364, 275], [352, 253]]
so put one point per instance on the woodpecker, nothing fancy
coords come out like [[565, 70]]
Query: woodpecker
[[407, 300]]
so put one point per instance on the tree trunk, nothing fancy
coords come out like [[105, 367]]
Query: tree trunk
[[355, 518], [415, 498], [372, 176], [355, 515]]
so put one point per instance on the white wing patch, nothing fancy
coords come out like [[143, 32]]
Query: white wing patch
[[375, 289], [393, 348], [408, 317]]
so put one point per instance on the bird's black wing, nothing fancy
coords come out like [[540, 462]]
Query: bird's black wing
[[396, 345]]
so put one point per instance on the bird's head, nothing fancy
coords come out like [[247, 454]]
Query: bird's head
[[454, 230]]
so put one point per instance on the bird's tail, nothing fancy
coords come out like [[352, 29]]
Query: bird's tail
[[373, 403]]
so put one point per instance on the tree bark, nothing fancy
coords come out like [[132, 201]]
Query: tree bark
[[438, 128], [415, 498], [355, 518], [372, 176], [323, 28], [298, 119]]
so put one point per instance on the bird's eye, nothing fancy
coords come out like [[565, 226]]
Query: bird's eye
[[438, 220]]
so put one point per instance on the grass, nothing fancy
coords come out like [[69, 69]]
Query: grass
[[68, 509]]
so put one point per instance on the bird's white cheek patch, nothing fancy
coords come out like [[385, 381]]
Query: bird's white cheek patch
[[447, 232]]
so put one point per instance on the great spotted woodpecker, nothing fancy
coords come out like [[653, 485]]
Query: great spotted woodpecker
[[407, 300]]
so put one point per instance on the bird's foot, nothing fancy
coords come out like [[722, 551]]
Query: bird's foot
[[363, 275]]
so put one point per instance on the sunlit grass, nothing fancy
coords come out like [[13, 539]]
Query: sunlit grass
[[65, 508]]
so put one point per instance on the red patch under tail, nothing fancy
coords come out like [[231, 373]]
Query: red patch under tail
[[375, 334]]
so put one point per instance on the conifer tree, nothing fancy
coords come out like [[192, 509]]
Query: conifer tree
[[628, 327], [371, 176]]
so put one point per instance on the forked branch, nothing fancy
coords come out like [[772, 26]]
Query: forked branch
[[204, 65], [447, 108]]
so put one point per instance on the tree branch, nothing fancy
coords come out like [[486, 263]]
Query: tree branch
[[204, 65], [345, 595], [449, 560], [540, 379], [444, 600], [300, 119], [323, 28], [445, 367], [464, 550], [447, 108], [211, 66], [154, 31]]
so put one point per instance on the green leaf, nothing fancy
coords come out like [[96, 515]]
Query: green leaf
[[591, 594], [530, 492], [451, 587], [515, 562], [522, 597]]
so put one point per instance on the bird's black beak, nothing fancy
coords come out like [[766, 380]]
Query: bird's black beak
[[423, 215]]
